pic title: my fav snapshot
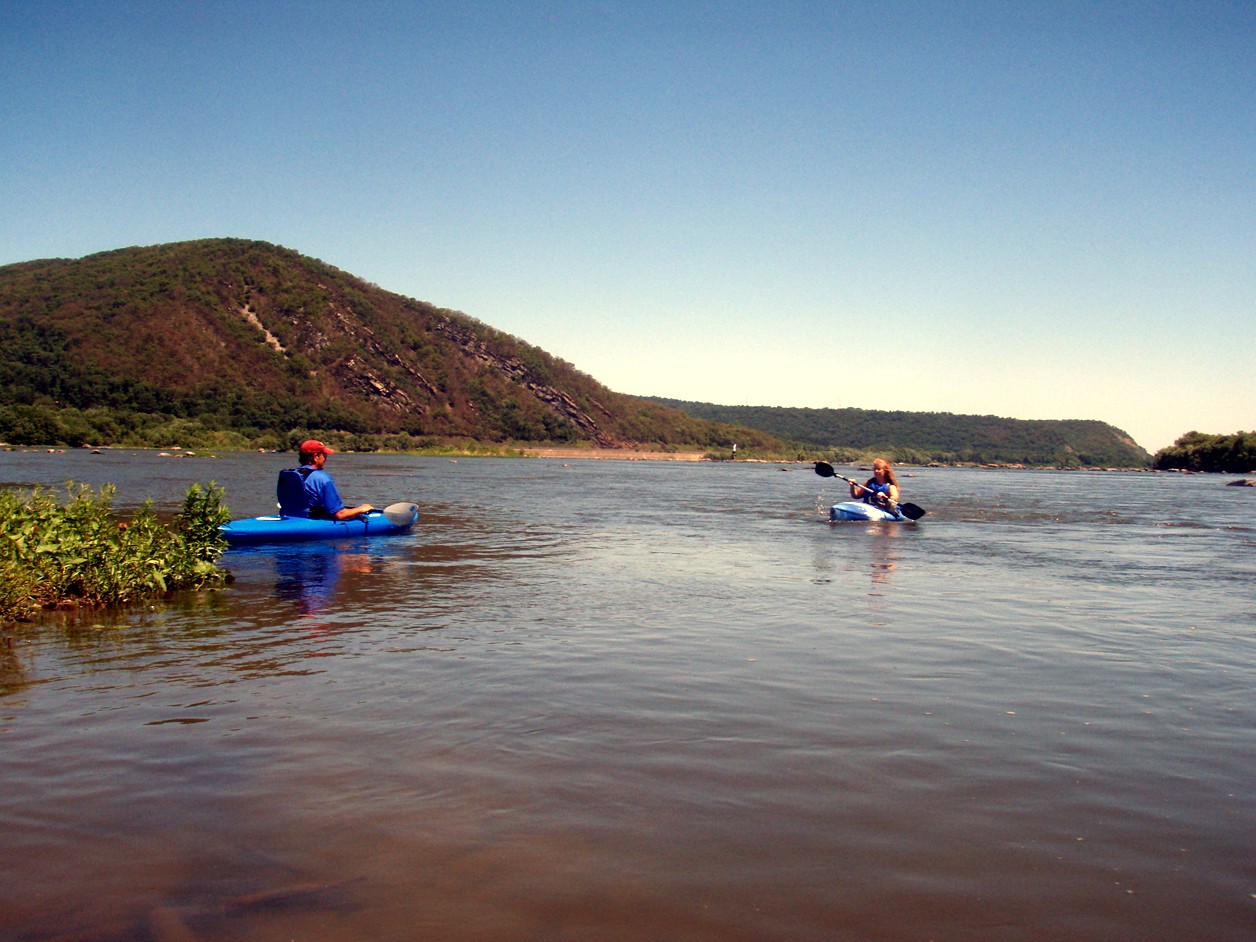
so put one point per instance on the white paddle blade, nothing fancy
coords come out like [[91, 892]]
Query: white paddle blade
[[402, 514]]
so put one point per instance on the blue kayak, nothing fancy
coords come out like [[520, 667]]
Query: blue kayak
[[857, 510], [396, 518]]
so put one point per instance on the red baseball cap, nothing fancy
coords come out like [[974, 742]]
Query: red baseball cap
[[313, 447]]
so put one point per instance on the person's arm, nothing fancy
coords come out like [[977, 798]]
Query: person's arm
[[348, 513]]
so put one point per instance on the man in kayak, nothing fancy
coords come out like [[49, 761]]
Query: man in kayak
[[322, 499], [881, 489]]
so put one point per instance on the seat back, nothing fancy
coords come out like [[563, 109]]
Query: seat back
[[290, 491]]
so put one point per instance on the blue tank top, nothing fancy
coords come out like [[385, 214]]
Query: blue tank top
[[876, 489]]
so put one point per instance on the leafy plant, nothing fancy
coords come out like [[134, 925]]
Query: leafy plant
[[78, 552]]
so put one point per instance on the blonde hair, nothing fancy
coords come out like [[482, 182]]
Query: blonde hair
[[889, 471]]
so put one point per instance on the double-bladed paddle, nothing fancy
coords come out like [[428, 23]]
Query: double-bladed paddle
[[910, 511]]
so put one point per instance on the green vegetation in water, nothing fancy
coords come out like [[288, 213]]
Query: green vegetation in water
[[1195, 451], [80, 553]]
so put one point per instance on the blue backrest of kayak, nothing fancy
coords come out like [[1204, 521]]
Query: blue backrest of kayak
[[290, 491]]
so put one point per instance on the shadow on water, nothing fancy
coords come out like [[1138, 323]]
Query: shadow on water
[[12, 672]]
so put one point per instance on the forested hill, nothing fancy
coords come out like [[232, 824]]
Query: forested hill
[[923, 437], [255, 338]]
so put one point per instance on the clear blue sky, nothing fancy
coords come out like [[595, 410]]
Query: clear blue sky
[[1038, 210]]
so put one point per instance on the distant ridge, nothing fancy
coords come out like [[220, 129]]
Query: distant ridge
[[178, 340], [925, 437]]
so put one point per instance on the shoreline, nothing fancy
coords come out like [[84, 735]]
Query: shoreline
[[614, 454], [576, 453]]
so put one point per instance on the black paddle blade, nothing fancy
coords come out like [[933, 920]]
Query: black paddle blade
[[825, 470], [911, 511]]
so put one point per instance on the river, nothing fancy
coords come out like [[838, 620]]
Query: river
[[610, 700]]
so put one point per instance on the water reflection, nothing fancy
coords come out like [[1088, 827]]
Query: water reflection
[[883, 537], [862, 548], [307, 576], [12, 672], [636, 703]]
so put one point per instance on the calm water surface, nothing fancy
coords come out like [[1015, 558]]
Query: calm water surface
[[637, 701]]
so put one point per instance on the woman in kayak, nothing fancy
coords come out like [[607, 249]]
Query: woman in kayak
[[881, 489]]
